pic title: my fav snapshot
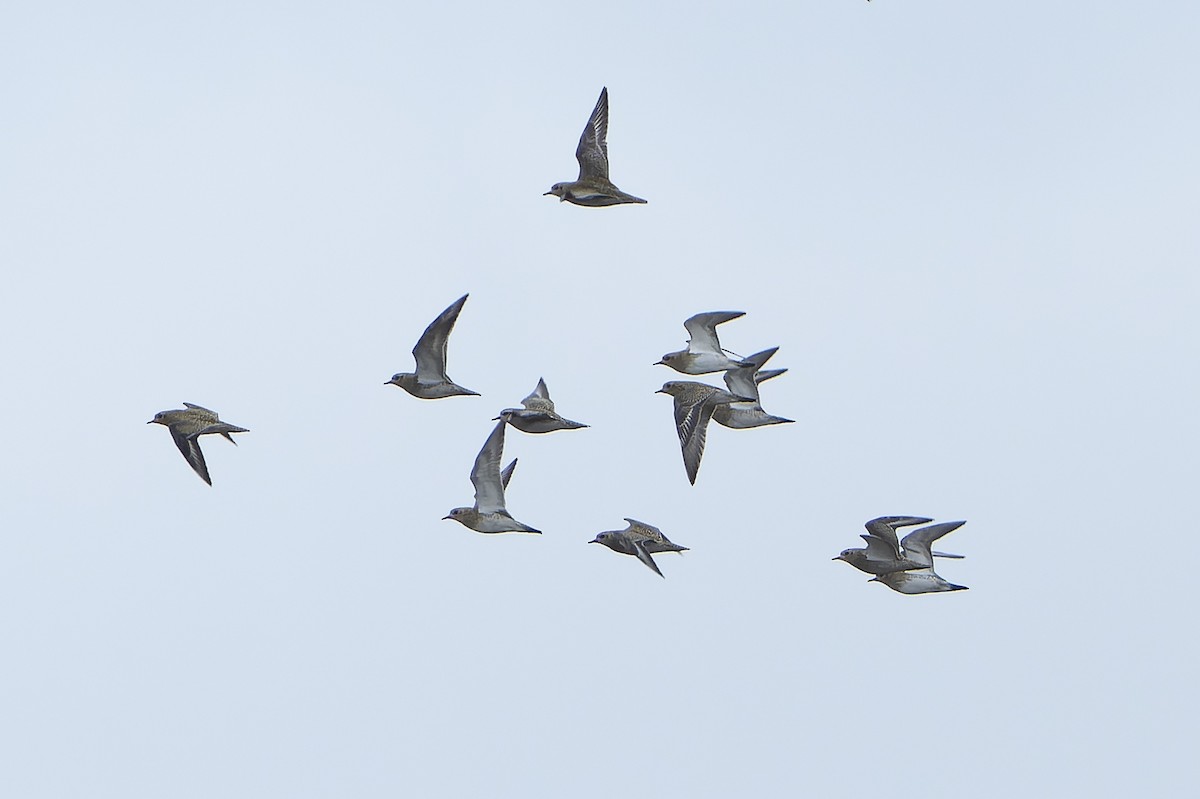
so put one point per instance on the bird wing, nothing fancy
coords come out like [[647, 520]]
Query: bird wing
[[191, 453], [507, 474], [763, 375], [485, 474], [885, 527], [220, 427], [639, 549], [539, 398], [592, 152], [702, 329], [740, 381], [430, 351], [917, 543], [691, 421], [201, 412], [880, 550], [643, 529]]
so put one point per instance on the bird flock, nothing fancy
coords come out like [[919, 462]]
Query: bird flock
[[905, 566]]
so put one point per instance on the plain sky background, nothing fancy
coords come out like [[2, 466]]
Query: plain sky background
[[971, 228]]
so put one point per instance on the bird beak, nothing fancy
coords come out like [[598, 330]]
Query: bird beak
[[548, 194], [444, 518], [660, 391], [659, 363], [495, 418], [594, 541]]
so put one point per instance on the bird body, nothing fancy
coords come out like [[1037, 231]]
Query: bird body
[[538, 414], [489, 514], [429, 381], [744, 381], [703, 354], [917, 581], [640, 540], [187, 425], [904, 566], [884, 554], [694, 405], [593, 188]]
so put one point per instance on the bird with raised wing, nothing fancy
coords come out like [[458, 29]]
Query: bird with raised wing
[[489, 514], [916, 549], [187, 425], [593, 188], [538, 414], [430, 380], [744, 381], [884, 553], [703, 353], [694, 405], [640, 540]]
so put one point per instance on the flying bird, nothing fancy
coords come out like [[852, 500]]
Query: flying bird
[[187, 425], [538, 415], [430, 380], [593, 186], [883, 553], [744, 381], [640, 540], [916, 547], [694, 406], [704, 354], [489, 515], [907, 566]]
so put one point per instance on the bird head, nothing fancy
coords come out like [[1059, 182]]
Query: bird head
[[459, 514]]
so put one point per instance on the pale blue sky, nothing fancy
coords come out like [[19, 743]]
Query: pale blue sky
[[970, 228]]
